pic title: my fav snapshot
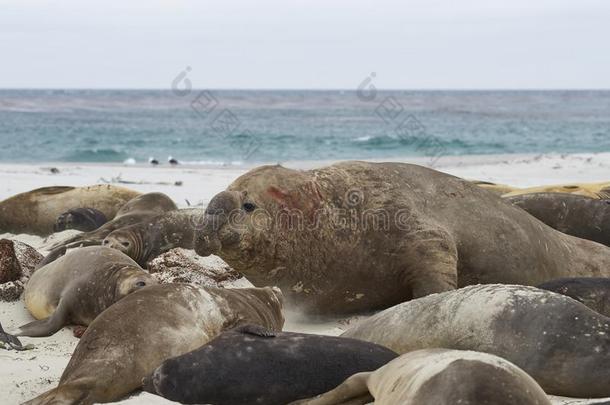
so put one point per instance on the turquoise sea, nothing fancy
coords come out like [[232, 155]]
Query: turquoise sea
[[222, 126]]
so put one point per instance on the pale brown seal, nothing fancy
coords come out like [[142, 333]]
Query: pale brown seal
[[358, 236], [36, 211], [138, 333], [438, 377], [78, 287], [561, 343], [592, 190]]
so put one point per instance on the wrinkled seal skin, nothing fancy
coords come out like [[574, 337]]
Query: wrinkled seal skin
[[141, 208], [271, 369], [149, 239], [78, 287], [36, 211], [561, 343], [591, 291], [575, 215], [438, 377], [80, 219], [129, 340], [417, 232], [591, 190]]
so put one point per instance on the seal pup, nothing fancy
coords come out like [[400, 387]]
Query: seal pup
[[80, 219], [79, 286], [592, 190], [36, 211], [139, 209], [579, 216], [438, 377], [561, 343], [149, 239], [131, 338], [272, 368], [591, 291], [360, 236]]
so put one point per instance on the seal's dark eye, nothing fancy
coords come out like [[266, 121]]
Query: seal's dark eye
[[140, 284], [249, 207], [126, 244]]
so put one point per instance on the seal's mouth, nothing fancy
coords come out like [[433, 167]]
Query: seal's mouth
[[206, 245]]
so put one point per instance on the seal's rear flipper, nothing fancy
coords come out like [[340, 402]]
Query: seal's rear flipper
[[48, 326], [255, 330], [10, 340]]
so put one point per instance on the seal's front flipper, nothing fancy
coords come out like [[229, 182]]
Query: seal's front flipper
[[255, 330], [10, 340]]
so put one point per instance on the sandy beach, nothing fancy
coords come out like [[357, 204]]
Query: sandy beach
[[29, 373]]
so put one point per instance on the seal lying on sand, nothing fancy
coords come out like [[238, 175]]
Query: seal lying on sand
[[561, 343], [591, 291], [81, 219], [36, 211], [575, 215], [141, 208], [499, 189], [78, 287], [438, 377], [147, 240], [138, 333], [271, 368], [591, 190], [359, 236]]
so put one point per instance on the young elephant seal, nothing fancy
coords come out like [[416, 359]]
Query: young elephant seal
[[575, 215], [78, 287], [81, 219], [147, 240], [139, 209], [36, 211], [359, 236], [272, 369], [561, 343], [129, 340], [591, 291], [438, 377]]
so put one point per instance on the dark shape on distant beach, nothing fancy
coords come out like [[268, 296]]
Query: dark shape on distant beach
[[172, 161], [153, 161]]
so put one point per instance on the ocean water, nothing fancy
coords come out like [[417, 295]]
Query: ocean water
[[233, 127]]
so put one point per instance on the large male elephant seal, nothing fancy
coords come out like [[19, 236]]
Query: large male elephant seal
[[593, 292], [138, 333], [561, 343], [36, 211], [80, 219], [139, 209], [438, 377], [78, 287], [591, 190], [271, 369], [148, 239], [360, 236], [575, 215]]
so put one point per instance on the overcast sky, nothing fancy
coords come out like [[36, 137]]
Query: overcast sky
[[409, 44]]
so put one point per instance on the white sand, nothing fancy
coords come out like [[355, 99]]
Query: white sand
[[29, 373]]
